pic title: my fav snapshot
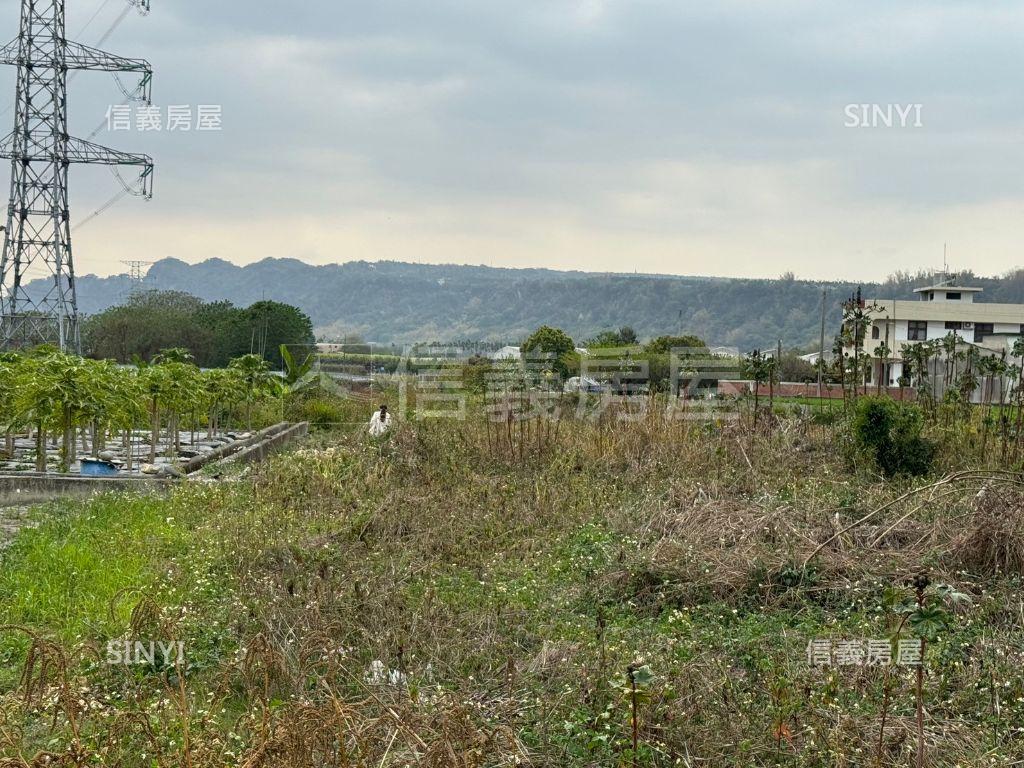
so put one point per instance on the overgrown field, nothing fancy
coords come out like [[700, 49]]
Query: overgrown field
[[582, 594]]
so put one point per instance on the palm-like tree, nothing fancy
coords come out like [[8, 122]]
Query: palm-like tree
[[757, 366], [221, 388], [9, 362], [51, 392], [953, 354], [839, 356], [155, 383], [256, 380], [179, 393], [882, 356], [54, 390]]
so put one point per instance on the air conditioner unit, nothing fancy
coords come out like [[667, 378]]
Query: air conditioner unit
[[968, 325]]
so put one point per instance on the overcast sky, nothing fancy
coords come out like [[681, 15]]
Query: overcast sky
[[618, 135]]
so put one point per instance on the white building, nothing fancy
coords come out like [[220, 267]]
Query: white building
[[814, 357], [942, 308]]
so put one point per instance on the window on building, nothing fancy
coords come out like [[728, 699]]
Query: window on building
[[874, 332], [954, 325], [981, 330], [917, 330], [951, 296]]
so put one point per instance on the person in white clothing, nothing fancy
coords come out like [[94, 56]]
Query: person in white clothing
[[380, 422]]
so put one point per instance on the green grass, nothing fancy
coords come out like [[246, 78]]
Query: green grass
[[64, 574]]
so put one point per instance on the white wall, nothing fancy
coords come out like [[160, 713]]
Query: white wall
[[895, 373]]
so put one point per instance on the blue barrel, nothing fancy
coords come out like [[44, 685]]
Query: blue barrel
[[98, 468]]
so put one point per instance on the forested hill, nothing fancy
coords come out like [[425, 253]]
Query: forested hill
[[395, 301]]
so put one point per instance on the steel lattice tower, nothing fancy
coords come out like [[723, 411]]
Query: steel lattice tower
[[38, 233]]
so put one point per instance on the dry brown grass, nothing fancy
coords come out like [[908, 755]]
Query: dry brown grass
[[992, 540], [361, 552]]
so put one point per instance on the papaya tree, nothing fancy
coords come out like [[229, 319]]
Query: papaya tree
[[179, 391], [128, 408], [9, 362], [221, 388], [155, 382], [54, 390], [257, 382]]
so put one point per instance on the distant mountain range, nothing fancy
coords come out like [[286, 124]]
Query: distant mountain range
[[402, 302]]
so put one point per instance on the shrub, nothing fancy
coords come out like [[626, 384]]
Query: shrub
[[890, 432], [321, 412], [475, 373]]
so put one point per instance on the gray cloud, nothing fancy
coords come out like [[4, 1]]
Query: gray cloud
[[658, 135]]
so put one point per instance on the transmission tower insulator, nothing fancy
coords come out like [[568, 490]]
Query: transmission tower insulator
[[37, 241]]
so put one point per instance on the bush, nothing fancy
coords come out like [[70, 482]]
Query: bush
[[891, 432], [321, 412]]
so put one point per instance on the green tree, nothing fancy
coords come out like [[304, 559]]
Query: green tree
[[147, 323], [554, 342], [54, 390], [267, 325], [663, 345], [213, 332], [757, 367], [256, 380], [792, 367], [9, 362], [624, 337], [603, 340], [628, 336]]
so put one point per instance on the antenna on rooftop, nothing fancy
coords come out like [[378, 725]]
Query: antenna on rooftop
[[946, 276]]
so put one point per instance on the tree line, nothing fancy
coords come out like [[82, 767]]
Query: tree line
[[214, 332]]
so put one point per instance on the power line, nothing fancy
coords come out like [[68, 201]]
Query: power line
[[106, 35], [102, 209], [92, 18]]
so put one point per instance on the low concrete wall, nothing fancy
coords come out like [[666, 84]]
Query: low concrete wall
[[262, 449], [801, 389], [33, 487], [833, 392], [198, 462]]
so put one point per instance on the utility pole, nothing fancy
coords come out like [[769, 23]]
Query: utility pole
[[778, 361], [37, 239], [821, 347]]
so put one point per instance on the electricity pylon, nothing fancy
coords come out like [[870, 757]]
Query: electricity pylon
[[135, 275], [38, 233]]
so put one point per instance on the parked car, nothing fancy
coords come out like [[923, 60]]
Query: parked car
[[583, 384]]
